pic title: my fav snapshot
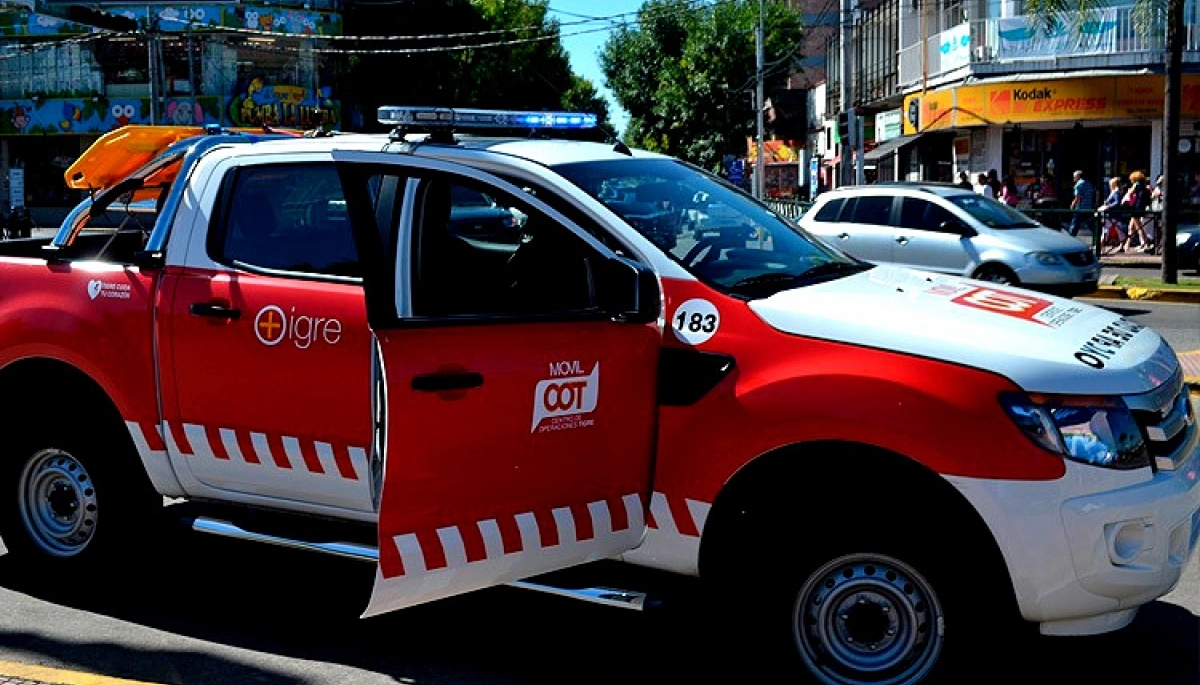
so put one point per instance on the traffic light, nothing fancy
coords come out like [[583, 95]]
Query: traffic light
[[843, 127]]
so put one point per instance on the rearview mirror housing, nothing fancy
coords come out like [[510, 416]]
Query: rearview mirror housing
[[628, 291]]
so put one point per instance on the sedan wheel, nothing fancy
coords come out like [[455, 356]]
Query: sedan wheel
[[995, 274]]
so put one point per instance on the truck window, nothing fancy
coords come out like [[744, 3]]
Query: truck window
[[477, 251], [287, 218]]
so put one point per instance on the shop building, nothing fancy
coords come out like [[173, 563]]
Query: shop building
[[975, 86], [69, 74]]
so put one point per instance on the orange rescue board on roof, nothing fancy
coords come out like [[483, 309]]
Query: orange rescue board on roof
[[122, 151]]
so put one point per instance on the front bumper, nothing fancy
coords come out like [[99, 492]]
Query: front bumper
[[1085, 551]]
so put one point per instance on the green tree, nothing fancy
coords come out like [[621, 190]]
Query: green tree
[[685, 73], [495, 54], [1151, 18]]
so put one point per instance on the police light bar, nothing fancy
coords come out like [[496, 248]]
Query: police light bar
[[450, 118]]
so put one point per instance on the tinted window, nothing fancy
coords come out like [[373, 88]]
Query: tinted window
[[872, 210], [829, 212], [924, 215], [509, 259], [289, 218]]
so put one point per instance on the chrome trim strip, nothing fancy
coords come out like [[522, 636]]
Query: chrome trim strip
[[612, 597], [348, 550]]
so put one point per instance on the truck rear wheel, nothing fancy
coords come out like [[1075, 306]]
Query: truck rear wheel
[[72, 495]]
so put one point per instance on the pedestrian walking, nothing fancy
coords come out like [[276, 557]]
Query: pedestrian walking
[[993, 179], [1009, 194], [1112, 237], [1136, 200], [1083, 202], [983, 187], [1154, 216]]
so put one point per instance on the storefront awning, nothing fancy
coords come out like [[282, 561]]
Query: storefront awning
[[888, 147]]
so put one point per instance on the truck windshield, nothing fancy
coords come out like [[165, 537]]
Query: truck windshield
[[718, 232]]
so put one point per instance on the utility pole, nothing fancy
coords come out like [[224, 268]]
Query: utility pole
[[759, 176], [847, 174]]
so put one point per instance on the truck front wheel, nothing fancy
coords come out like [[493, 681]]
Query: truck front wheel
[[867, 618], [72, 496]]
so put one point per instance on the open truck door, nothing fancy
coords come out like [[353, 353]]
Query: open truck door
[[514, 386]]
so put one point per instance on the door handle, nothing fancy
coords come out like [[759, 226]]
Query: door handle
[[214, 311], [901, 239], [439, 382]]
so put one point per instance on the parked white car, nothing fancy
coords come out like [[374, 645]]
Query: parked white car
[[951, 230]]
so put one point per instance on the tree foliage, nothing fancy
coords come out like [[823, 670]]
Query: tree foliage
[[466, 53], [685, 71]]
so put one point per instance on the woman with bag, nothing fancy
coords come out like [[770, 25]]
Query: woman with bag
[[1136, 199]]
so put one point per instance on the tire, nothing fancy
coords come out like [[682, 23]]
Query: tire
[[868, 618], [995, 273], [73, 496], [890, 605]]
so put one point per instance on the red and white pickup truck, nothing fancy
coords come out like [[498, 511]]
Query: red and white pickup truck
[[306, 339]]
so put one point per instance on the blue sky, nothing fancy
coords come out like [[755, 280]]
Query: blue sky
[[585, 26]]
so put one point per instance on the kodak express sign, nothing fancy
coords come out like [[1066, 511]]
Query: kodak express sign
[[1067, 100]]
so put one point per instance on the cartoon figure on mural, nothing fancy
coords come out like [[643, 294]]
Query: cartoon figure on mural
[[19, 118], [183, 113], [72, 113], [251, 18], [123, 113]]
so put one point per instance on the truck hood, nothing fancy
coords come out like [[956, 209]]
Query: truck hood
[[1042, 343]]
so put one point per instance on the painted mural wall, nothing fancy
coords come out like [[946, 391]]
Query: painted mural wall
[[256, 103], [182, 17]]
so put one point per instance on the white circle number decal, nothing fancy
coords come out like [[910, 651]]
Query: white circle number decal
[[696, 321]]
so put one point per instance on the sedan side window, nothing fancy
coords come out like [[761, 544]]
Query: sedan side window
[[919, 214], [830, 211], [872, 210]]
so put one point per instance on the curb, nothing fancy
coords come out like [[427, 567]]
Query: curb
[[1122, 292]]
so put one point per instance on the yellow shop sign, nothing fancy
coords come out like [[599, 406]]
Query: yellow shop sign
[[1067, 100]]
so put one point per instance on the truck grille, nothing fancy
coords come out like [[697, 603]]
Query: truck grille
[[1167, 420]]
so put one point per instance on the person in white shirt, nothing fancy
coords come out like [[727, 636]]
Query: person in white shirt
[[983, 187]]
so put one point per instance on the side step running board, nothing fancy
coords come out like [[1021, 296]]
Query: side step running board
[[624, 599]]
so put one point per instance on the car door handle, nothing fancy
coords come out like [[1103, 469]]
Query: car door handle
[[902, 239], [214, 311], [441, 381], [843, 236]]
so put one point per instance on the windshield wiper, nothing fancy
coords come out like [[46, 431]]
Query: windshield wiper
[[773, 282]]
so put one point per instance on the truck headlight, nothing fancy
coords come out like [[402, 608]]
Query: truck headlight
[[1100, 431]]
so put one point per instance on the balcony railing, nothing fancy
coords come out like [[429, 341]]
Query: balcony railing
[[1108, 35]]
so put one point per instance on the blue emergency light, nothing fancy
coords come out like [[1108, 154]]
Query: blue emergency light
[[453, 118]]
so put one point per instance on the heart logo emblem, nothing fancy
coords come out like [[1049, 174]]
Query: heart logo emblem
[[94, 289]]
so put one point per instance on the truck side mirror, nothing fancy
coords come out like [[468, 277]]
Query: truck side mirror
[[628, 291]]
